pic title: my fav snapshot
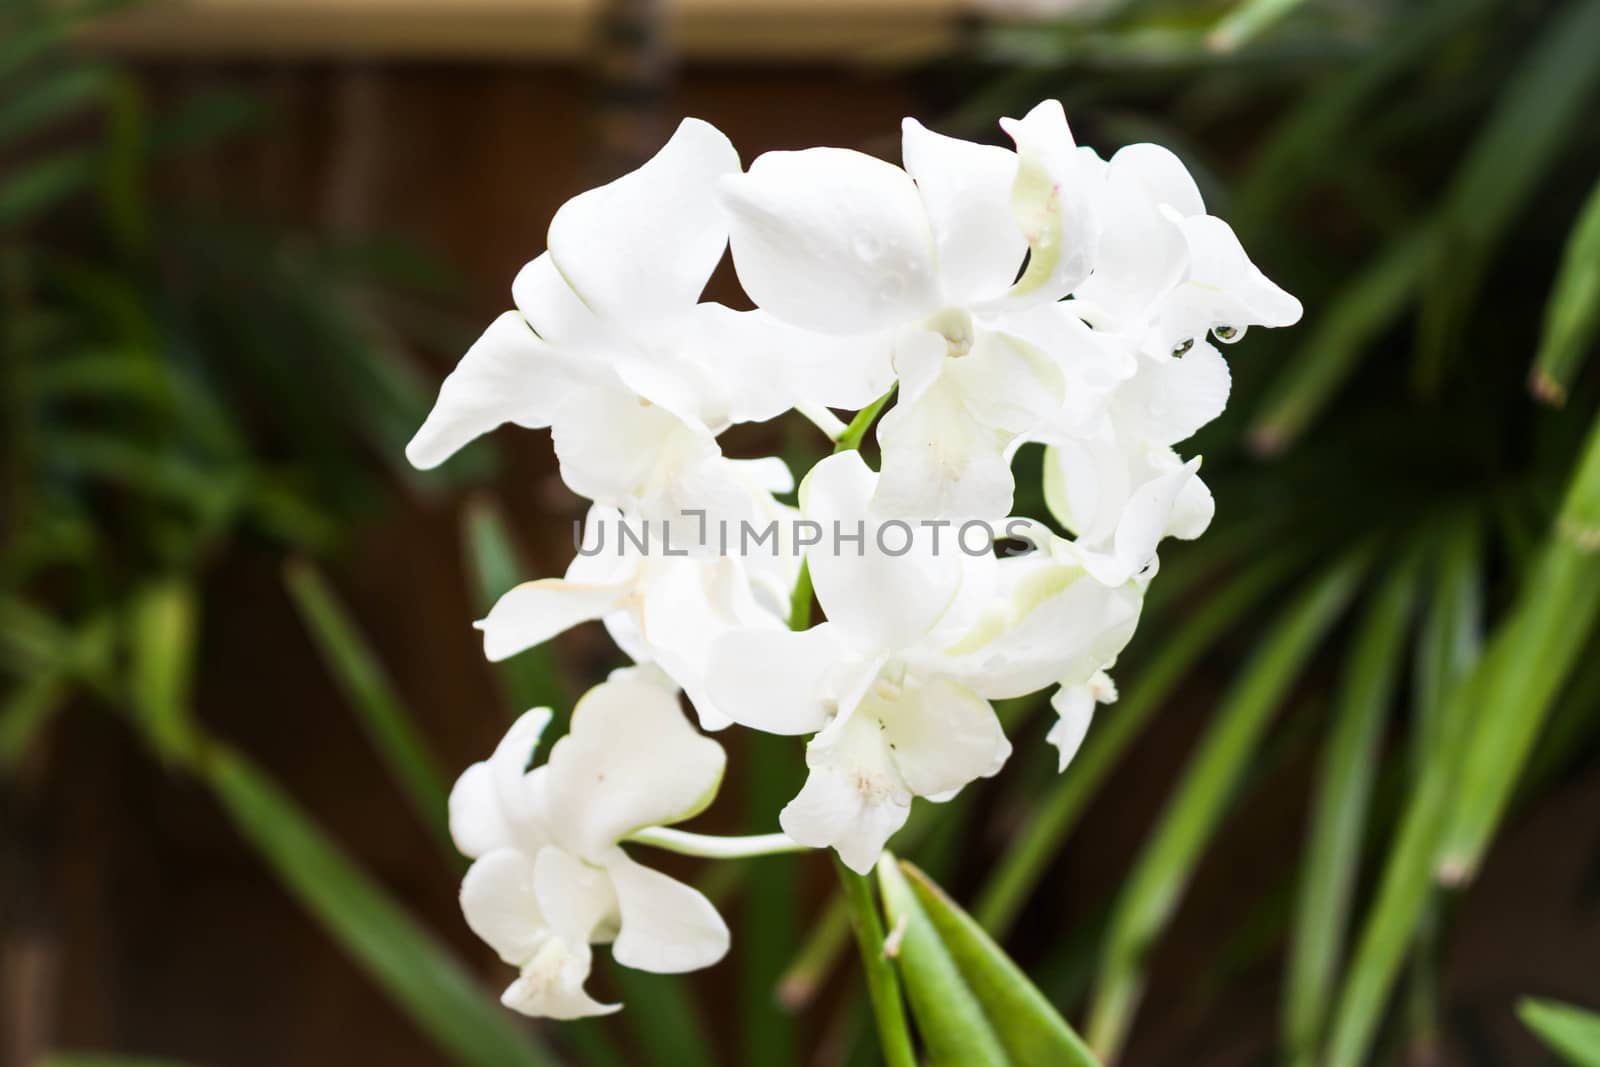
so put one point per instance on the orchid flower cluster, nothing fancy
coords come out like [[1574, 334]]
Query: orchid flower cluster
[[1004, 296]]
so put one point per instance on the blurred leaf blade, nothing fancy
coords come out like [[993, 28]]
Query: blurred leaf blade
[[1572, 312], [1569, 1031], [1008, 888], [1534, 651], [1341, 337], [372, 695], [1247, 20], [1343, 794], [1532, 120], [25, 712], [1501, 706], [49, 100], [1192, 814], [163, 634], [532, 678], [460, 1017]]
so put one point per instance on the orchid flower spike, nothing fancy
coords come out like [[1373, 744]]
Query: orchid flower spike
[[550, 877]]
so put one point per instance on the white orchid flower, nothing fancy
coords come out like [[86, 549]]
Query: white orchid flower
[[549, 877], [610, 348], [1143, 254], [896, 684], [1116, 482], [923, 263], [659, 606]]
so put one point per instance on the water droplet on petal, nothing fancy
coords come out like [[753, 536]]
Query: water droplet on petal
[[1228, 334], [1183, 346]]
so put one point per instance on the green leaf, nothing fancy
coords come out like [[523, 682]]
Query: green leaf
[[659, 1009], [1534, 651], [162, 637], [1339, 810], [948, 1014], [883, 985], [430, 987], [531, 679], [1028, 1026], [41, 184], [1288, 164], [1572, 313], [384, 717], [1193, 814], [1494, 715], [26, 710], [50, 99], [1342, 335], [1534, 119], [1246, 21], [1571, 1032]]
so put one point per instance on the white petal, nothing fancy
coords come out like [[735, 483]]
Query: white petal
[[832, 240], [1192, 511], [776, 681], [939, 462], [853, 800], [1141, 255], [1174, 396], [534, 612], [630, 760], [688, 606], [501, 907], [667, 927], [1053, 203], [1147, 517], [966, 189], [555, 312], [1075, 706], [476, 823], [508, 375], [619, 450], [644, 246], [1054, 621], [1086, 484], [941, 735], [1159, 175], [768, 366], [881, 599], [551, 984], [575, 898], [770, 474], [1224, 289], [1007, 383], [491, 805]]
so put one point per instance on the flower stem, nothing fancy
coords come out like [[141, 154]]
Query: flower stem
[[713, 846], [823, 419], [883, 984], [853, 433]]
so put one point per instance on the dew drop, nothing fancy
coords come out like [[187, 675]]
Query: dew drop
[[1228, 334], [1183, 346]]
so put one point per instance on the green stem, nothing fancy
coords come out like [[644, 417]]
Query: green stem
[[853, 433], [716, 847], [883, 985]]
